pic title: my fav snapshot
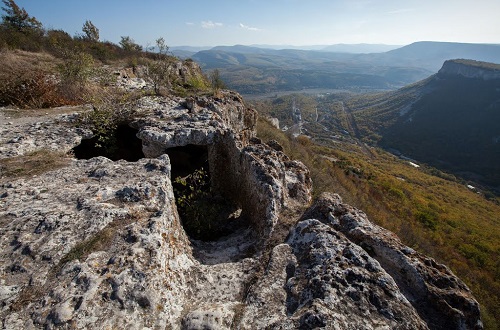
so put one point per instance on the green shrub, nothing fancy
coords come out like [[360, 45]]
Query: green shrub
[[19, 29], [128, 44], [473, 253], [204, 215], [216, 81], [58, 39], [18, 19], [197, 83], [191, 194], [427, 218], [77, 67], [109, 109]]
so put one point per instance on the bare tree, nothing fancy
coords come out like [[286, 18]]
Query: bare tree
[[216, 81], [158, 69], [162, 46]]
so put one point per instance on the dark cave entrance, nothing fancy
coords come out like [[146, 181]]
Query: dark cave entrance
[[185, 160], [206, 215], [120, 143]]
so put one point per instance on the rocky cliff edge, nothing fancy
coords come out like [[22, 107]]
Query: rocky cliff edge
[[470, 69], [100, 244]]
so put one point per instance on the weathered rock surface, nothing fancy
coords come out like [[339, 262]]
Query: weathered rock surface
[[99, 244], [318, 278], [440, 298], [179, 122], [79, 241], [24, 136]]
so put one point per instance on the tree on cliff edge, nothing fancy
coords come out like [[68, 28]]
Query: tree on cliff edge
[[128, 44], [91, 31]]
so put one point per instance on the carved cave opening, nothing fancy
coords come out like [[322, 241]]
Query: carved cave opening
[[205, 213], [120, 143]]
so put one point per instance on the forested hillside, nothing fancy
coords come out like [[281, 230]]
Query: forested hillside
[[449, 120]]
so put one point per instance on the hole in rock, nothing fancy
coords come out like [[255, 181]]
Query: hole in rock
[[185, 160], [206, 215], [120, 143]]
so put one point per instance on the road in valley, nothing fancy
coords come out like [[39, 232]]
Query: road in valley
[[354, 130]]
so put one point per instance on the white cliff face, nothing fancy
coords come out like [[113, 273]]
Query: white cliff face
[[470, 69], [99, 244]]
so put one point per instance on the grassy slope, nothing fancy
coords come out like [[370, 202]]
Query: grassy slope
[[450, 123], [438, 217]]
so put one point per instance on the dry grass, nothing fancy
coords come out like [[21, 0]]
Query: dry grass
[[41, 81], [29, 80], [11, 114], [33, 163], [17, 60]]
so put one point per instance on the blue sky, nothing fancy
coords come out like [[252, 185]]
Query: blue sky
[[276, 22]]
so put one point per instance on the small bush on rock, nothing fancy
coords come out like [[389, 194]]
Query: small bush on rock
[[109, 109], [205, 216]]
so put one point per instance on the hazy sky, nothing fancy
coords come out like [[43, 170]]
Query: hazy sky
[[277, 22]]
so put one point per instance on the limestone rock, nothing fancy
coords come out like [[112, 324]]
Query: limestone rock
[[179, 73], [174, 123], [321, 279], [100, 244], [274, 121], [79, 251], [440, 298], [127, 79], [59, 133]]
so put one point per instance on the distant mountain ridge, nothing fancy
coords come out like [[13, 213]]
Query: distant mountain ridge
[[255, 70], [360, 48], [431, 54], [426, 54], [335, 48]]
